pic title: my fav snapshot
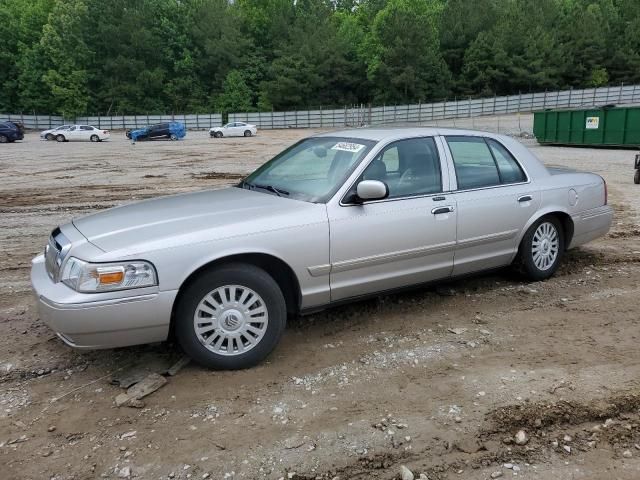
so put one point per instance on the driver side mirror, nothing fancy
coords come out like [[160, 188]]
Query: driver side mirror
[[372, 190]]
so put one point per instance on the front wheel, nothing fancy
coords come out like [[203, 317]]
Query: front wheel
[[636, 177], [218, 134], [541, 249], [48, 136], [60, 138], [231, 317]]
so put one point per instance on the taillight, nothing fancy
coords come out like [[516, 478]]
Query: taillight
[[105, 131]]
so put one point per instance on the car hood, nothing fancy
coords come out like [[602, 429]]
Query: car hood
[[179, 220]]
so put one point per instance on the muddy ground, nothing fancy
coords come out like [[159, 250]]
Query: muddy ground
[[351, 393]]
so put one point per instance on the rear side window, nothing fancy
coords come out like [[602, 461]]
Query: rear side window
[[510, 171], [473, 162], [481, 162]]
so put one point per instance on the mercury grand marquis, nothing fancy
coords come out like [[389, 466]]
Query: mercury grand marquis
[[333, 218]]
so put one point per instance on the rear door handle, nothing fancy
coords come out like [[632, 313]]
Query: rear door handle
[[525, 198], [439, 210]]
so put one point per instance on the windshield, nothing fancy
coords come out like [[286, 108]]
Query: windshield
[[311, 170]]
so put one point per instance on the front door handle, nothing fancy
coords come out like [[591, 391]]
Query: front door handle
[[439, 210], [525, 198]]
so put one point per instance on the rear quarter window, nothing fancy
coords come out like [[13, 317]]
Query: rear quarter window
[[510, 170]]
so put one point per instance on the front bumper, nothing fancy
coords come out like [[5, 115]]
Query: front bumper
[[103, 320]]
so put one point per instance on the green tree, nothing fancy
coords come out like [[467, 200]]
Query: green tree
[[404, 59], [461, 23], [236, 95], [63, 44], [21, 23]]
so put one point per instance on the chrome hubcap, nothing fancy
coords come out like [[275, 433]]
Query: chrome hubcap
[[545, 246], [231, 320]]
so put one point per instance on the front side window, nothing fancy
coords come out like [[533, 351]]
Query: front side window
[[311, 170], [408, 167]]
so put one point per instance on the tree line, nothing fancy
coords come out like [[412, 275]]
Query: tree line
[[75, 57]]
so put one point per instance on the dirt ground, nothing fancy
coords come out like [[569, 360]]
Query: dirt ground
[[438, 380]]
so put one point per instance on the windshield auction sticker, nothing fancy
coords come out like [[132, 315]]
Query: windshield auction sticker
[[348, 147]]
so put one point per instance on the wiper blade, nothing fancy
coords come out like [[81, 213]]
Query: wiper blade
[[270, 188]]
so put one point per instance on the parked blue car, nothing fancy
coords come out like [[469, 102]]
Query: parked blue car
[[10, 132], [171, 130]]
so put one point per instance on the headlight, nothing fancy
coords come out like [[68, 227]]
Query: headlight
[[103, 277]]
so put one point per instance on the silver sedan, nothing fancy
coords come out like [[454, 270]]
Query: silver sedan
[[335, 217]]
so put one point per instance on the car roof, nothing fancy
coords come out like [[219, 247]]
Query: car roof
[[397, 133]]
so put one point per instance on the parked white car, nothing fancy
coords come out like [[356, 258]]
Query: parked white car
[[81, 133], [234, 129], [52, 132]]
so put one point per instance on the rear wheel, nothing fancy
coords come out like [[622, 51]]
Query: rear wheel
[[247, 133], [94, 138], [60, 138], [541, 249], [4, 139], [231, 317], [49, 136], [636, 177]]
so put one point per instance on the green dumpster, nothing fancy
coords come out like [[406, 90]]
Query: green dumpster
[[615, 126]]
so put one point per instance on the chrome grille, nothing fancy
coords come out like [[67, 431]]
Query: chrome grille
[[54, 253]]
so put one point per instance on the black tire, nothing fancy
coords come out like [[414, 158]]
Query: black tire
[[94, 138], [526, 263], [128, 135], [173, 137], [4, 139], [247, 133], [49, 136], [247, 276], [636, 177], [212, 134], [60, 138], [217, 134]]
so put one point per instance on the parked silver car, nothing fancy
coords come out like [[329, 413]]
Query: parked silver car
[[335, 217]]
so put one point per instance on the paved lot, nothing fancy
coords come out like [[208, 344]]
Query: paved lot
[[354, 392]]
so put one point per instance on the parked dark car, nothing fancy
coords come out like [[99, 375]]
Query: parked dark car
[[10, 132], [171, 130]]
